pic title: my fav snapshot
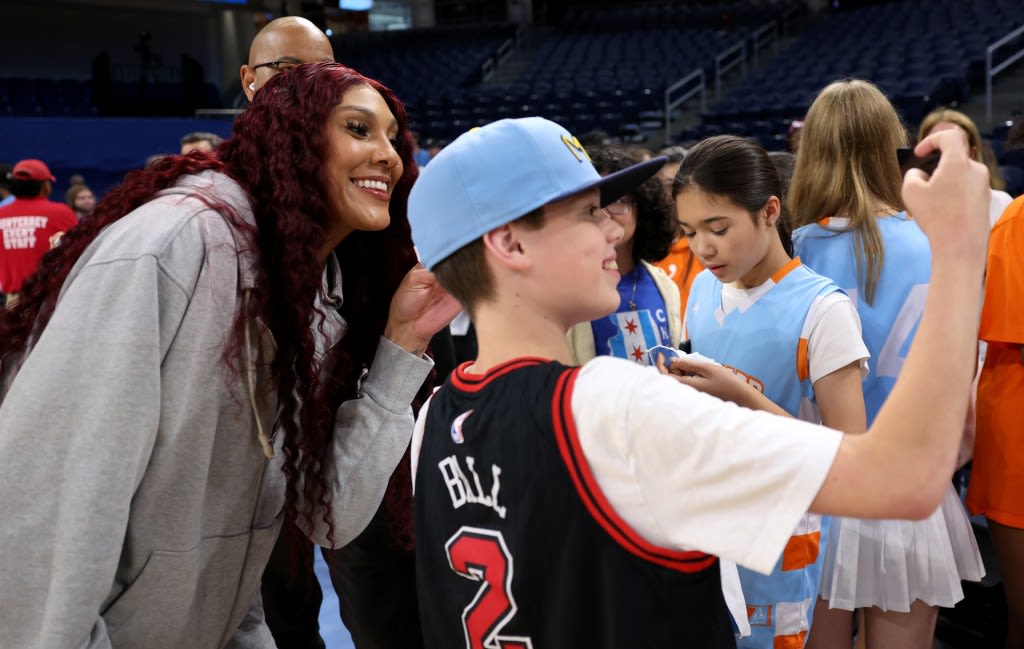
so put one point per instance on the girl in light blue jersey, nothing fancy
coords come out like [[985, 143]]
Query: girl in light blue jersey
[[791, 333], [846, 194]]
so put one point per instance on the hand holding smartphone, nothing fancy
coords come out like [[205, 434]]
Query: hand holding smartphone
[[908, 160]]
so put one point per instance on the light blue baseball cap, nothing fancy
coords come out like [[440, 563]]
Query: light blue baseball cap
[[497, 173]]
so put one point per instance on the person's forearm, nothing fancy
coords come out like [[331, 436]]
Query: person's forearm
[[371, 433], [748, 397]]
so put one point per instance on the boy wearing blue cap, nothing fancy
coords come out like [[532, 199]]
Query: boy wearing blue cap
[[560, 506]]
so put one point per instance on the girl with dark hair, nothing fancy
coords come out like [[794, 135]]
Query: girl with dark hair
[[649, 313], [790, 333], [216, 349]]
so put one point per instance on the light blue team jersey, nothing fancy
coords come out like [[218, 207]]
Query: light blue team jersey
[[766, 343], [890, 322], [763, 342]]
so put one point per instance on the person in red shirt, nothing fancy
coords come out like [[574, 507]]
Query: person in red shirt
[[30, 225]]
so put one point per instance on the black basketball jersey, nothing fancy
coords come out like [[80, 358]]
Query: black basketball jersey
[[516, 547]]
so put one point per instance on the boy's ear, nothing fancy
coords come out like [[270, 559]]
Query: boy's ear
[[504, 246]]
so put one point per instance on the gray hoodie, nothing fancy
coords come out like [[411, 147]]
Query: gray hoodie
[[140, 507]]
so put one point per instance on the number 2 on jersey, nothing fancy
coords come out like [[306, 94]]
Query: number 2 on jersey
[[481, 555]]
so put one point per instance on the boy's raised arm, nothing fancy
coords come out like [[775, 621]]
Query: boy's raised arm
[[901, 467]]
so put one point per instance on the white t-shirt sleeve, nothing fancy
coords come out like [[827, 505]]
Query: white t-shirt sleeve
[[997, 204], [834, 338], [687, 471]]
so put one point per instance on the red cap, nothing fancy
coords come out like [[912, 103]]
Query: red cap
[[32, 170]]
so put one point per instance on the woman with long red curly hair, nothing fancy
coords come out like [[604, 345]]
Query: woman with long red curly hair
[[186, 370]]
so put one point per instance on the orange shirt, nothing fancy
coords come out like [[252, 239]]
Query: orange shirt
[[997, 479], [681, 266]]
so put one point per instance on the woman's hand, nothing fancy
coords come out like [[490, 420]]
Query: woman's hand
[[419, 309]]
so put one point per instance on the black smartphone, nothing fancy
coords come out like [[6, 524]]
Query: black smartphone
[[907, 159]]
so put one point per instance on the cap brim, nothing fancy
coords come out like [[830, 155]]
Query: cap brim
[[616, 185]]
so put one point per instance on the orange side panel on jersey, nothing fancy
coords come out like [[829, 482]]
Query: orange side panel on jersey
[[790, 641], [803, 364], [801, 551]]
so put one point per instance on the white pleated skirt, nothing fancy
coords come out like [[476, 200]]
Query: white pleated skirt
[[890, 563]]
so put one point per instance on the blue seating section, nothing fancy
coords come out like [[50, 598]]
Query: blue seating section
[[606, 67], [624, 62], [75, 98], [40, 97], [922, 54], [584, 80], [420, 64], [715, 15]]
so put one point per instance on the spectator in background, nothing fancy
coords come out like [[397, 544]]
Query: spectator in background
[[31, 224], [946, 118], [796, 128], [681, 265], [594, 138], [784, 162], [419, 154], [80, 199], [649, 313], [155, 158], [434, 147], [1015, 137], [6, 196], [283, 43], [200, 141]]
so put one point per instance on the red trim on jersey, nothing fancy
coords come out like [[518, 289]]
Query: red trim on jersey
[[468, 381], [593, 498]]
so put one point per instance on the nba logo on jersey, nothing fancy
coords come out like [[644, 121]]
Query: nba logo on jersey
[[457, 436]]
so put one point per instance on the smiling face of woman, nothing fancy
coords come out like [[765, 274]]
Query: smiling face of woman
[[362, 165]]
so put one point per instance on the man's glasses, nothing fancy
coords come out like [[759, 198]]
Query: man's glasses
[[620, 207], [279, 65]]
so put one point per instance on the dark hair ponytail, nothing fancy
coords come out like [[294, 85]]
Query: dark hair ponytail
[[738, 169]]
